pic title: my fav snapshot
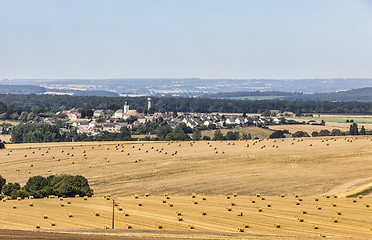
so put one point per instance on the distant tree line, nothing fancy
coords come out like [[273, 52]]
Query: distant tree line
[[16, 104], [39, 187]]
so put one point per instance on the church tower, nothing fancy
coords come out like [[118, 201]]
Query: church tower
[[148, 103], [126, 108]]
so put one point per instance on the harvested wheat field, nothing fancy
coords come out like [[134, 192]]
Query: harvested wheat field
[[244, 215], [309, 167]]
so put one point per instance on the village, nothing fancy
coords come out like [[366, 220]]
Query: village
[[112, 121]]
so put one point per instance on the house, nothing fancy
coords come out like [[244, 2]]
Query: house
[[108, 127], [278, 120], [98, 113], [239, 120], [81, 127], [49, 120], [72, 115], [288, 114], [230, 120]]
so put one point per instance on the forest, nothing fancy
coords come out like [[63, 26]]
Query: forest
[[17, 103]]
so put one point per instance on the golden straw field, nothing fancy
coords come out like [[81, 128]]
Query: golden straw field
[[201, 187]]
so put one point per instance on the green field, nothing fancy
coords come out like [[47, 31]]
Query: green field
[[338, 118]]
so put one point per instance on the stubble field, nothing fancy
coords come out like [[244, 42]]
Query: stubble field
[[212, 170]]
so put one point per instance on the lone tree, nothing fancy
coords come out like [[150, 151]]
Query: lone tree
[[218, 135], [362, 131], [354, 129], [196, 136]]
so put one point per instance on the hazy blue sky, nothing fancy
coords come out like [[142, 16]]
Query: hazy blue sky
[[185, 38]]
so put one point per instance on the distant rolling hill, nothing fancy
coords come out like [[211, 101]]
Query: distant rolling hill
[[31, 89], [357, 95]]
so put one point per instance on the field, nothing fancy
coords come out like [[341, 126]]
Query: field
[[308, 167], [360, 119], [5, 137], [254, 131]]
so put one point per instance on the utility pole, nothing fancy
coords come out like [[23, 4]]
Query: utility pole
[[113, 211]]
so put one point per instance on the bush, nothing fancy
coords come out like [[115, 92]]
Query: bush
[[2, 182], [300, 134], [218, 135], [206, 138], [324, 132], [2, 145], [230, 135], [315, 134], [60, 185], [277, 134], [10, 187], [336, 132]]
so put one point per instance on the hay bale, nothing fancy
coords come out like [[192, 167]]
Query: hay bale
[[126, 214], [159, 227], [229, 209], [30, 204], [191, 227], [180, 219], [96, 214], [45, 216], [128, 226], [268, 205], [300, 219], [318, 207], [276, 225], [335, 220], [37, 226], [178, 213], [315, 227], [203, 213], [232, 204], [240, 229], [139, 204], [259, 210], [52, 224], [70, 215], [240, 214], [338, 213]]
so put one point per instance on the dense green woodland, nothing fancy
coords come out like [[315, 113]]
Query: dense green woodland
[[12, 103]]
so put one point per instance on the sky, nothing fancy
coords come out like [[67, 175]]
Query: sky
[[237, 39]]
